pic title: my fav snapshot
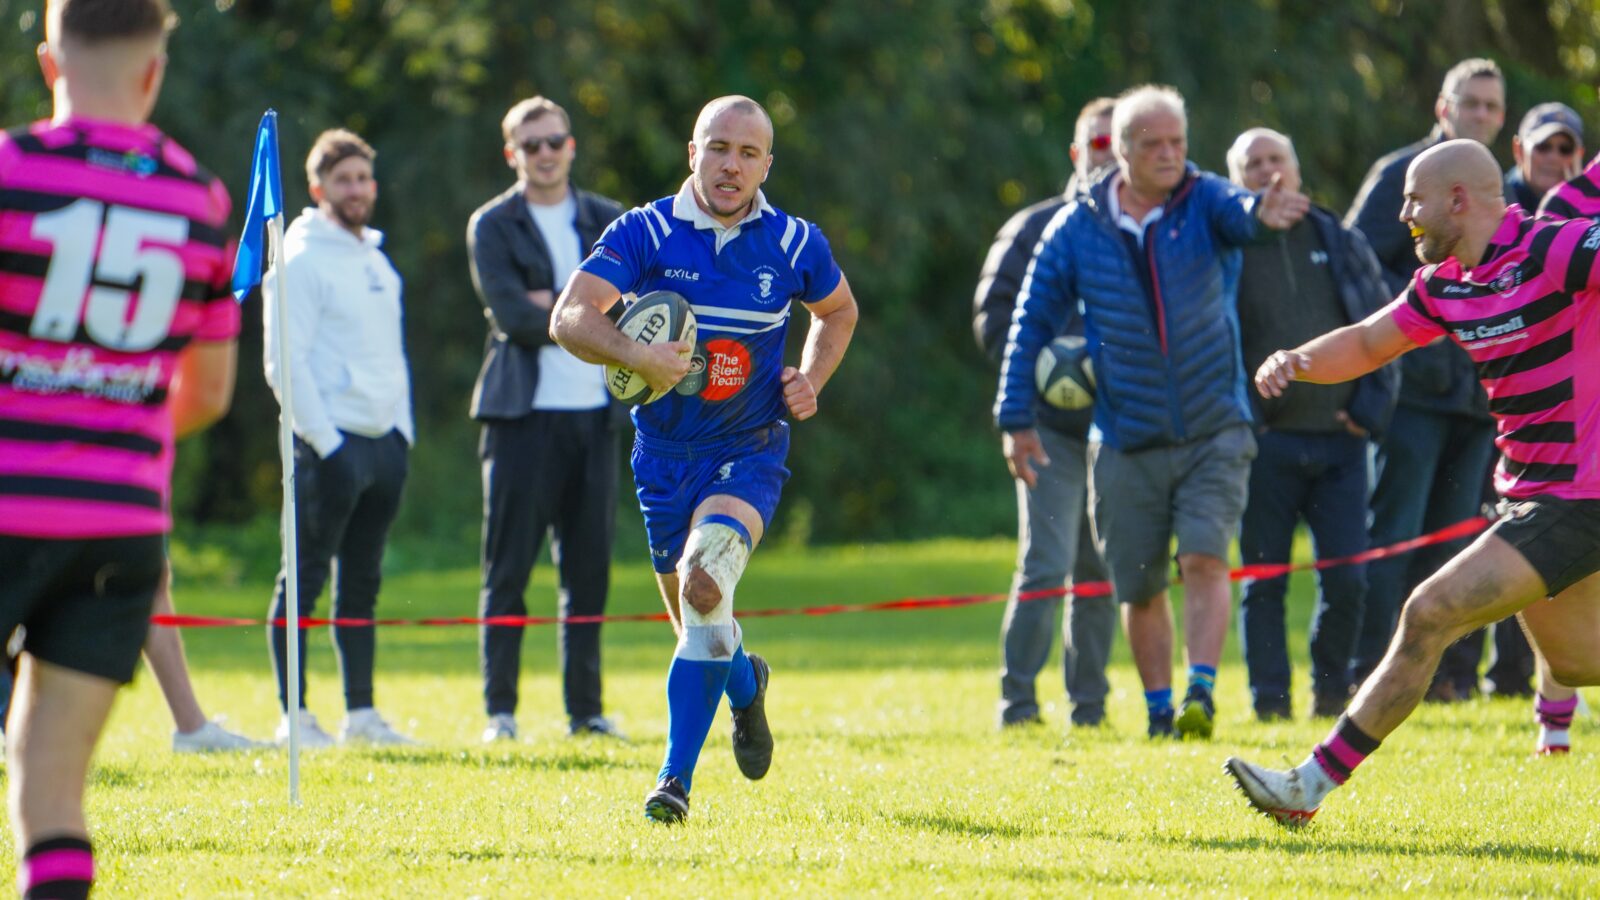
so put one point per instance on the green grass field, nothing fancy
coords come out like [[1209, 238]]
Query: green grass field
[[890, 777]]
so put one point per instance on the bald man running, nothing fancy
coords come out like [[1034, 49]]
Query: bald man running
[[1522, 297]]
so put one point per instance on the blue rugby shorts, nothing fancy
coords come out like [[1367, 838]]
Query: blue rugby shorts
[[673, 478]]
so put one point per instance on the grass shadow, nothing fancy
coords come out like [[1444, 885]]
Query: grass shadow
[[507, 761], [945, 823], [1307, 843]]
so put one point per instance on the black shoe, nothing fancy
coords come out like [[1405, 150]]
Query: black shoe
[[1328, 706], [1088, 715], [1020, 722], [668, 803], [1276, 709], [752, 739], [1161, 726], [1197, 716]]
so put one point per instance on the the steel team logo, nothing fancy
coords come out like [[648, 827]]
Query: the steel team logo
[[727, 369]]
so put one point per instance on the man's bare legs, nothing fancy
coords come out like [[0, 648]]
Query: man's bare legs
[[56, 718], [1484, 583], [163, 651], [1565, 634]]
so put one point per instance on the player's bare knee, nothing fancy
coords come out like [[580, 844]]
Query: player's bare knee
[[1429, 617], [700, 590], [713, 559]]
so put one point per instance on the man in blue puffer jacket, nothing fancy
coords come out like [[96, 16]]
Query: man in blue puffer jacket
[[1149, 259]]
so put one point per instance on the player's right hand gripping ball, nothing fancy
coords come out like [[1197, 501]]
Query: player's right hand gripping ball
[[1065, 373], [658, 317]]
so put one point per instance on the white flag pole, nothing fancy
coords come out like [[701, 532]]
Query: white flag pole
[[291, 556]]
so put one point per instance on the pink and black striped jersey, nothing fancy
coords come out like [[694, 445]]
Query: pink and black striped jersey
[[1529, 315], [1577, 197], [113, 257]]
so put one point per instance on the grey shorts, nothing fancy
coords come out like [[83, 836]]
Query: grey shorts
[[1141, 499]]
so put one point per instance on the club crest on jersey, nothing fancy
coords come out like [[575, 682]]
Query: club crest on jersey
[[132, 162], [1508, 280], [765, 276]]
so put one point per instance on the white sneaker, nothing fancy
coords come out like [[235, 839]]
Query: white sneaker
[[212, 737], [1279, 795], [365, 726], [312, 736], [502, 727]]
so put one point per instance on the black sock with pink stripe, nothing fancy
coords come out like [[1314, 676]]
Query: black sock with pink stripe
[[1347, 747], [60, 868]]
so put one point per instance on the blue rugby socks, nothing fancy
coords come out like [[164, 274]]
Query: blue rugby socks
[[1203, 677], [695, 684], [741, 681]]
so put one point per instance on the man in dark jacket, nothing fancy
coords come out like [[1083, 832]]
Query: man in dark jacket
[[549, 444], [1312, 459], [1053, 535], [1548, 150], [1433, 468], [1150, 257]]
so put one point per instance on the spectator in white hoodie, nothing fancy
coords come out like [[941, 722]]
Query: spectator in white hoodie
[[351, 417]]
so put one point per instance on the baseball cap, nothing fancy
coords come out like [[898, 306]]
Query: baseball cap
[[1547, 119]]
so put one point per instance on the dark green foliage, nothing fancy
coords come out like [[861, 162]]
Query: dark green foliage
[[908, 130]]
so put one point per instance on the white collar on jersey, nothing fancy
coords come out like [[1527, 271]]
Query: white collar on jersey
[[686, 208]]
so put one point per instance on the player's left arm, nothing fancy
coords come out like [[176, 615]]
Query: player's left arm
[[202, 387], [833, 321]]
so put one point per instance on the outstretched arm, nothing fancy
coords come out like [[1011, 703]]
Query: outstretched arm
[[833, 321], [579, 324], [1341, 355]]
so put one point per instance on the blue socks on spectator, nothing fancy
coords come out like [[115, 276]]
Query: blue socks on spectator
[[1159, 703]]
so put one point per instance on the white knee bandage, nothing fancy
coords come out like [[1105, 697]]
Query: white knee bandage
[[721, 553]]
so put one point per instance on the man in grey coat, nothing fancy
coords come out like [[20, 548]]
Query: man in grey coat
[[549, 444]]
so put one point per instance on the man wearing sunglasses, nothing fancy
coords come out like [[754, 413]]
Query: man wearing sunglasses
[[549, 442], [1433, 467], [1548, 149], [1053, 535]]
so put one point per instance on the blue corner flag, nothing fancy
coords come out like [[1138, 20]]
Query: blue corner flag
[[266, 202]]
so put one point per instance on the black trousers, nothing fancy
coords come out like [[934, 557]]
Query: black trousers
[[548, 471], [345, 505]]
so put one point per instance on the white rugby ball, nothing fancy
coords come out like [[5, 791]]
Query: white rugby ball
[[658, 317], [1064, 373]]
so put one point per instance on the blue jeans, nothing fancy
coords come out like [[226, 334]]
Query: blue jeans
[[1321, 478], [1431, 468]]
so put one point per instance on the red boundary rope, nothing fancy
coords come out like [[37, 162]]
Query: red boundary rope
[[1462, 529]]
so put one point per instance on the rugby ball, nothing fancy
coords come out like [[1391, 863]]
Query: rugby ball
[[1065, 374], [658, 317]]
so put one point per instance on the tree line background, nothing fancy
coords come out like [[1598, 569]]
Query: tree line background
[[908, 129]]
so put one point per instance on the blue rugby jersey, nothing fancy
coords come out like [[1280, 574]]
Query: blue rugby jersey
[[741, 283]]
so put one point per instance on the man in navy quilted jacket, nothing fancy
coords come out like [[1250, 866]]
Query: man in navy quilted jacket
[[1150, 260]]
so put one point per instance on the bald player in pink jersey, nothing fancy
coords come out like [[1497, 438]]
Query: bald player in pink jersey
[[116, 336], [1522, 296]]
